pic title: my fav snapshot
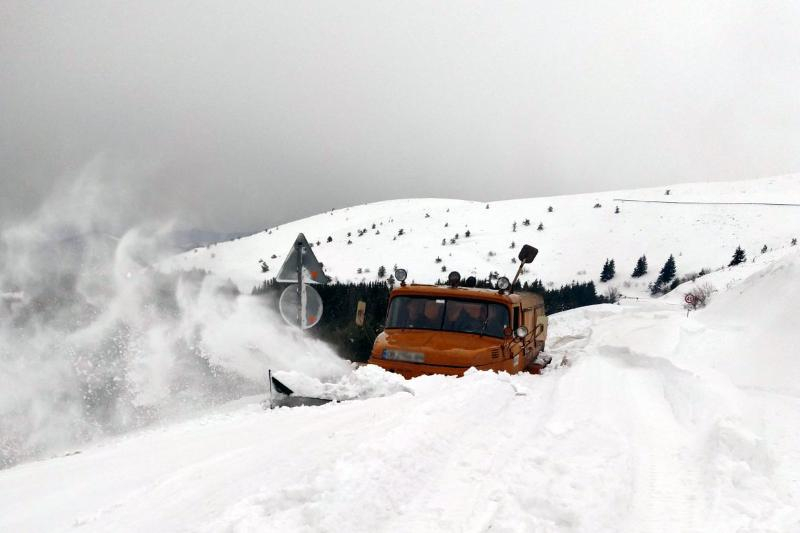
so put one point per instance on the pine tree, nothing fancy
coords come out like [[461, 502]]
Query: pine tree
[[467, 234], [738, 257], [330, 239], [667, 273], [794, 241], [381, 271], [550, 209], [616, 211], [764, 249], [514, 226], [541, 227], [609, 270], [641, 267]]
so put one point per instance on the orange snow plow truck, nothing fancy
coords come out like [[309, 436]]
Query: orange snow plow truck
[[449, 329]]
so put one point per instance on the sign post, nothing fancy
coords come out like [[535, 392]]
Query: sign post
[[301, 305], [691, 302]]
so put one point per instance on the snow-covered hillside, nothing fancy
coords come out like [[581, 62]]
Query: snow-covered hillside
[[657, 421], [576, 239]]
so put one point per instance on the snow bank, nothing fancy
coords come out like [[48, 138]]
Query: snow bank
[[367, 381]]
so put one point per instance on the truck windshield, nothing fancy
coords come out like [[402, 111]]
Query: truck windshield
[[464, 316]]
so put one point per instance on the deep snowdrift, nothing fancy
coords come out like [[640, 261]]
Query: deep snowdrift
[[655, 422]]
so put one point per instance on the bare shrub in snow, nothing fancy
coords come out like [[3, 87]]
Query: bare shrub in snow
[[612, 294], [702, 295]]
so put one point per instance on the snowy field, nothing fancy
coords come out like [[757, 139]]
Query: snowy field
[[576, 240], [654, 422]]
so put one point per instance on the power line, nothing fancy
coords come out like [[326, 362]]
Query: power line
[[705, 203]]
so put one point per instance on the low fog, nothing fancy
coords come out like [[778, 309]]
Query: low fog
[[238, 117]]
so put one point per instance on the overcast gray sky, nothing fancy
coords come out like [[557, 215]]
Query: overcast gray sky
[[240, 115]]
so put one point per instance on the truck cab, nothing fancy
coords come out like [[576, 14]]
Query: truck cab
[[449, 329]]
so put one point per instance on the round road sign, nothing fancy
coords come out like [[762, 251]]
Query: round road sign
[[289, 306], [689, 299]]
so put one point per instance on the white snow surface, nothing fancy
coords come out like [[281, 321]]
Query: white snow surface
[[576, 240], [648, 420]]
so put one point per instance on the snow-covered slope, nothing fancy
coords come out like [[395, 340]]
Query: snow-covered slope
[[657, 421], [576, 239]]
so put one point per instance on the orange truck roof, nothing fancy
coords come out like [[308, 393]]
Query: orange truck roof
[[528, 299]]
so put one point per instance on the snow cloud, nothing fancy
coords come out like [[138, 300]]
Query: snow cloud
[[94, 341]]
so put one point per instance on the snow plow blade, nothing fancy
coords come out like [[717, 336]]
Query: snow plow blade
[[282, 396]]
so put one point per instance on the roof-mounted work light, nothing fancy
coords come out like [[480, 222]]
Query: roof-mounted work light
[[453, 279], [400, 275]]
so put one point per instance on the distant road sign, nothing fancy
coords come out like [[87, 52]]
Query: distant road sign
[[301, 259], [689, 299], [292, 310], [361, 312]]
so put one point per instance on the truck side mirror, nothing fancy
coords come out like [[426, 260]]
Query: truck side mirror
[[527, 254]]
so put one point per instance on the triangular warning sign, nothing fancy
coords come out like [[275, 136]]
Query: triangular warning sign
[[301, 257]]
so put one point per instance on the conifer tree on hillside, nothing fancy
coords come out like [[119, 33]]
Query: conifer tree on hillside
[[550, 209], [764, 249], [381, 271], [667, 273], [616, 211], [738, 257], [609, 270], [540, 227], [641, 267], [330, 239]]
